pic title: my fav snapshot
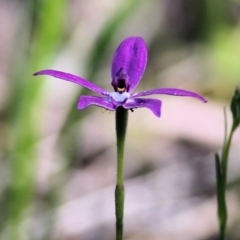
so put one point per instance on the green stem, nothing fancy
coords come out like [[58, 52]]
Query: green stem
[[223, 215], [119, 204], [225, 154], [121, 127], [222, 164]]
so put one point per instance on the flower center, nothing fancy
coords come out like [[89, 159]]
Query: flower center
[[121, 87], [119, 97], [121, 81]]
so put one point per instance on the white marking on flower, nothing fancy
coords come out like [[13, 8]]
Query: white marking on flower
[[119, 97]]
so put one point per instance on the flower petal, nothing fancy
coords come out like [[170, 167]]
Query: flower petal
[[71, 78], [153, 104], [170, 91], [131, 55], [85, 101]]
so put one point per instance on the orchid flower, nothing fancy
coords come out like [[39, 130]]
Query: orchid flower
[[128, 66]]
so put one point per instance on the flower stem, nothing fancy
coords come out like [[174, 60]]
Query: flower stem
[[223, 213], [221, 174], [121, 126]]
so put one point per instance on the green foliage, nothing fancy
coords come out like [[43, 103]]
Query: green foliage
[[222, 166], [43, 41]]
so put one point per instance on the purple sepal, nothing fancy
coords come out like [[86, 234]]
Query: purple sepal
[[85, 101], [153, 104], [170, 91], [71, 78], [131, 55]]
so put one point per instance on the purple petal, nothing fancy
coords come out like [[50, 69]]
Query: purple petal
[[131, 55], [85, 101], [71, 78], [153, 104], [170, 91]]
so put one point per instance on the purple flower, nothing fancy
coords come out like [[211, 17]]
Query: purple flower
[[128, 65]]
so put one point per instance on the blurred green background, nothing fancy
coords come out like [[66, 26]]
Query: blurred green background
[[57, 164]]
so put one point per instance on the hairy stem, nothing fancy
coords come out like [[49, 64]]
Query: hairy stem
[[121, 126]]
